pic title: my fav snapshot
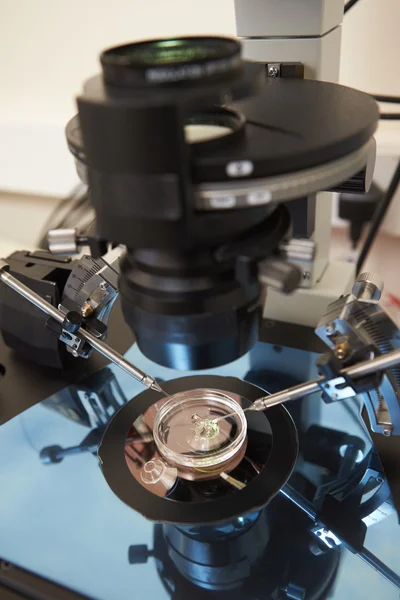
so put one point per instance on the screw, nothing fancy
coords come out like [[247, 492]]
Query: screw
[[5, 566], [74, 354], [86, 309], [387, 431], [103, 285], [342, 350], [306, 275], [335, 396], [330, 328], [273, 71]]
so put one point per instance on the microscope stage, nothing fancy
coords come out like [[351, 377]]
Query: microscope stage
[[59, 518]]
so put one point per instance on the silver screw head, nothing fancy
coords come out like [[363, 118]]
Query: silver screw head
[[369, 286], [86, 310], [330, 328], [273, 71]]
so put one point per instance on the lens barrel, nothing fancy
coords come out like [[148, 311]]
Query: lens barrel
[[187, 311]]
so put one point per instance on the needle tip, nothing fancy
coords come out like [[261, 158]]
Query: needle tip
[[156, 387]]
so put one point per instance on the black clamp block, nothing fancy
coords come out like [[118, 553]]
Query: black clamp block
[[72, 322], [97, 247], [68, 331], [347, 526], [330, 367]]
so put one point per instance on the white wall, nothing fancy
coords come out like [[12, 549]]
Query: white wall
[[48, 47], [371, 47]]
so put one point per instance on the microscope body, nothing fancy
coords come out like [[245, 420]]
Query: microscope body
[[204, 265]]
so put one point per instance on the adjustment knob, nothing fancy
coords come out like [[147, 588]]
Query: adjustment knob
[[62, 241], [138, 554], [72, 322], [369, 286], [51, 455], [280, 275]]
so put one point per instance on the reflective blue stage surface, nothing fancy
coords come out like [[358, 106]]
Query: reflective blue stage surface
[[62, 521]]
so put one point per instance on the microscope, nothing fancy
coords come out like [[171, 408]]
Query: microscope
[[211, 165]]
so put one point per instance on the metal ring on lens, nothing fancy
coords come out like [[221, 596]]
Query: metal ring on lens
[[160, 62], [257, 192], [215, 127]]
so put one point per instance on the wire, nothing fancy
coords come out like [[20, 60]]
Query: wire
[[73, 211], [389, 116], [62, 205], [378, 217], [388, 99], [349, 5]]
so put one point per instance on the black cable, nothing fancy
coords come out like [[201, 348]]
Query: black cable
[[54, 219], [349, 5], [68, 213], [378, 217], [389, 116], [388, 99]]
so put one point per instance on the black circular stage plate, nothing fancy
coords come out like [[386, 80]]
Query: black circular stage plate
[[291, 125], [270, 457]]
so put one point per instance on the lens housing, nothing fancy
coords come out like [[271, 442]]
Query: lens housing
[[171, 61], [197, 215]]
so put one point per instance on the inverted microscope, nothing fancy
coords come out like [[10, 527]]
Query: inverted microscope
[[211, 166]]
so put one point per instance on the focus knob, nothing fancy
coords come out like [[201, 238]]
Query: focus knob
[[280, 275], [64, 242], [369, 286]]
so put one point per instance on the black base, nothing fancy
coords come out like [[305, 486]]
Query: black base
[[273, 557], [214, 561]]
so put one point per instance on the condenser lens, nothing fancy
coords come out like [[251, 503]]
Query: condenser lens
[[171, 61], [171, 51]]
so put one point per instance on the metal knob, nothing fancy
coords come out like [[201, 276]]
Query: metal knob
[[279, 274], [369, 286], [62, 241], [138, 554], [51, 455]]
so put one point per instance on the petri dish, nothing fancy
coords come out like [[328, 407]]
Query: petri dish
[[196, 445], [200, 429]]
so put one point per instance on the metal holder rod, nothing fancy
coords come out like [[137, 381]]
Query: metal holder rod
[[58, 316], [380, 363]]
